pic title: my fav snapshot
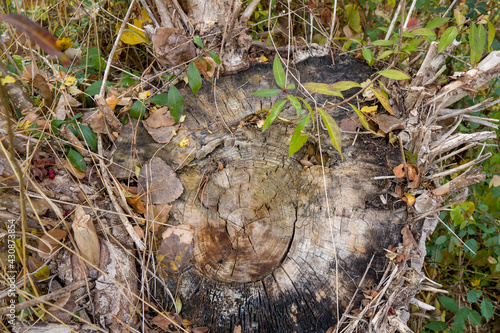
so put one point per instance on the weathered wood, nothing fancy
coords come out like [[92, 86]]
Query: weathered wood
[[272, 251]]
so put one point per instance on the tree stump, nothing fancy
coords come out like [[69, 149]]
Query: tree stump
[[278, 247]]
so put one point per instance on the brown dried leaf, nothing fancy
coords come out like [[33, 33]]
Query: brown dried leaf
[[112, 101], [86, 236], [388, 123], [161, 126], [206, 67], [399, 171], [40, 82], [157, 215], [175, 249], [160, 118], [161, 181], [66, 101], [166, 319], [138, 230], [413, 171], [136, 203], [171, 47], [98, 124], [57, 313], [48, 245]]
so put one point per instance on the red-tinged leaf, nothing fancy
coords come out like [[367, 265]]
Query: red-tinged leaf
[[36, 33], [383, 100], [333, 130]]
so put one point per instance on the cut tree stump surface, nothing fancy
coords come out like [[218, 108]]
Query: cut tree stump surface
[[266, 254]]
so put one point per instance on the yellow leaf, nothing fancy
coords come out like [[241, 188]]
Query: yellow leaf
[[8, 79], [383, 100], [132, 34], [63, 44], [184, 143], [144, 94], [476, 283], [70, 80], [369, 109]]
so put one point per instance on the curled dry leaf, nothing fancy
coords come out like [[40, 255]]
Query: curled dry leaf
[[388, 123], [40, 82], [112, 101], [66, 101], [171, 47], [50, 242], [206, 67], [98, 124], [409, 199], [175, 249], [86, 236], [161, 126], [399, 171]]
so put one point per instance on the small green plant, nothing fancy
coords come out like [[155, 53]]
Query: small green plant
[[299, 137]]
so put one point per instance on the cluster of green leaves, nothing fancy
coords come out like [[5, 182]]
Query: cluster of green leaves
[[173, 99], [82, 132], [299, 137]]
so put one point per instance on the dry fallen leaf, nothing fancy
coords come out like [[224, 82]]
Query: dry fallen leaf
[[409, 199], [161, 126], [159, 182], [399, 171], [48, 245], [175, 249], [66, 101], [172, 47], [86, 237], [206, 67]]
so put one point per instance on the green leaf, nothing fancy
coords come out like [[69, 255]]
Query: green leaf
[[394, 74], [95, 87], [76, 160], [137, 110], [89, 136], [460, 318], [176, 103], [291, 86], [475, 317], [215, 57], [385, 54], [436, 22], [423, 32], [447, 38], [55, 124], [298, 138], [333, 130], [274, 112], [197, 40], [382, 42], [436, 326], [160, 99], [448, 303], [295, 103], [477, 39], [323, 88], [266, 92], [194, 78], [279, 73], [440, 240], [491, 35], [474, 295], [487, 309], [362, 118], [368, 55], [345, 85]]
